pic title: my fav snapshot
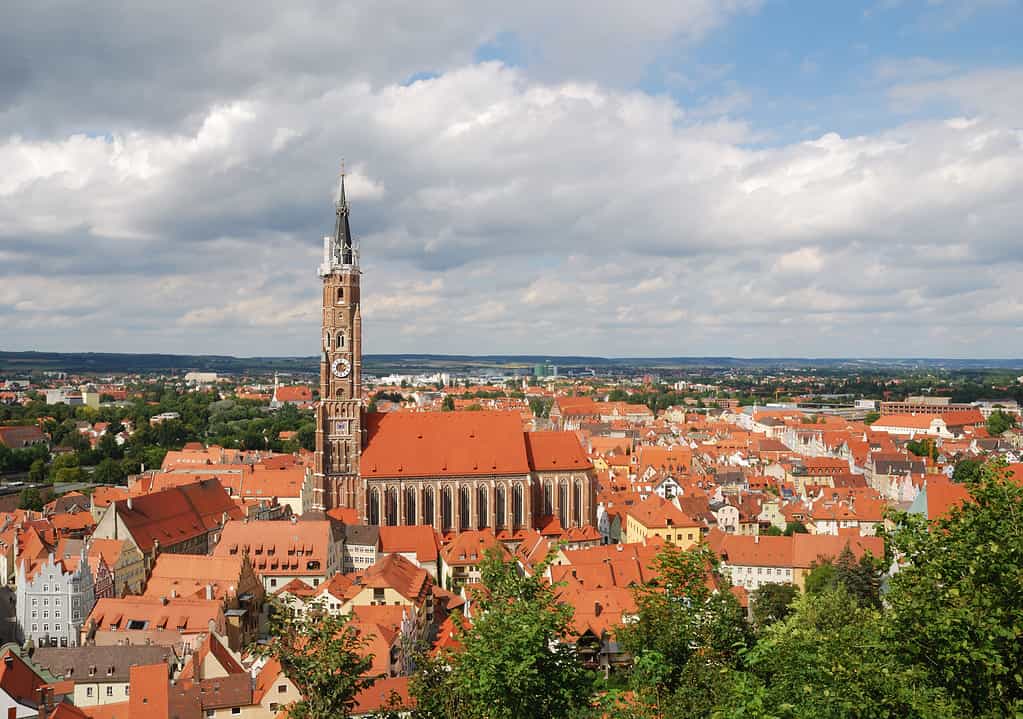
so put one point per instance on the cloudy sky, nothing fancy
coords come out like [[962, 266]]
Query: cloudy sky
[[712, 177]]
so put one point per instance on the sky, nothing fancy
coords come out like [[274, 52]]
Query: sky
[[751, 178]]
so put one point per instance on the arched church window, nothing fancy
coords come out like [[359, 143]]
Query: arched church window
[[577, 504], [374, 506], [499, 506], [340, 295], [517, 508], [563, 504], [548, 498], [392, 507], [340, 340], [446, 514], [482, 509], [463, 508], [339, 393], [428, 517], [410, 505]]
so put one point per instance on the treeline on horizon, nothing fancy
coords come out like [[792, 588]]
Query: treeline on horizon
[[127, 363]]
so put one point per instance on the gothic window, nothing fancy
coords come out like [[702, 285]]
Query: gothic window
[[326, 340], [410, 505], [445, 509], [374, 506], [463, 508], [340, 295], [517, 508], [428, 517], [563, 504], [392, 507], [577, 504], [339, 393], [340, 340], [482, 512], [499, 505], [548, 498]]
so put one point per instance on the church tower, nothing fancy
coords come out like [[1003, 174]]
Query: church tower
[[339, 421]]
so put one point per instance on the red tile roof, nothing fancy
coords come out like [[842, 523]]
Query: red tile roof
[[556, 451], [178, 514], [420, 539], [430, 444], [279, 548]]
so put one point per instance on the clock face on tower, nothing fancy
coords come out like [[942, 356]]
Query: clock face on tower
[[341, 367]]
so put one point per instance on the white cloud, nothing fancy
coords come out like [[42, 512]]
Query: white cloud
[[501, 211]]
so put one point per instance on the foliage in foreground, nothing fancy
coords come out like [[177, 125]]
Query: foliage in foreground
[[945, 642], [516, 662], [323, 656]]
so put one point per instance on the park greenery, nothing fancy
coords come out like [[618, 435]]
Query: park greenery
[[204, 417], [942, 639]]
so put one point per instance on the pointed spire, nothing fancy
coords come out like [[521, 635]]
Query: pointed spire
[[342, 232]]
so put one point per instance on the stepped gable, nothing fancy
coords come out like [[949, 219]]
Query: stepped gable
[[435, 444]]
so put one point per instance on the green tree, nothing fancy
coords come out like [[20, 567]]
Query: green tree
[[967, 470], [1000, 421], [518, 661], [685, 631], [37, 471], [861, 578], [955, 605], [448, 403], [871, 417], [325, 658], [795, 528], [772, 602], [541, 406], [307, 436], [829, 660], [772, 531], [109, 471], [30, 498]]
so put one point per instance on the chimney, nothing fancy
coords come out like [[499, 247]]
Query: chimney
[[756, 539], [294, 519], [44, 702], [129, 501], [209, 591]]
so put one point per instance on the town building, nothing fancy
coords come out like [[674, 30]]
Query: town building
[[53, 599], [454, 471], [179, 520], [309, 550], [99, 675]]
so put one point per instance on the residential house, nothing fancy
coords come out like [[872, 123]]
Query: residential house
[[656, 517], [99, 675], [752, 562], [229, 579], [54, 596], [178, 520], [179, 623], [310, 550], [361, 547]]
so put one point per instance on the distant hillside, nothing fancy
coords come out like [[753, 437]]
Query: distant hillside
[[114, 363]]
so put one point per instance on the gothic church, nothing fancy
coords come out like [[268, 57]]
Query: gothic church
[[453, 470]]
